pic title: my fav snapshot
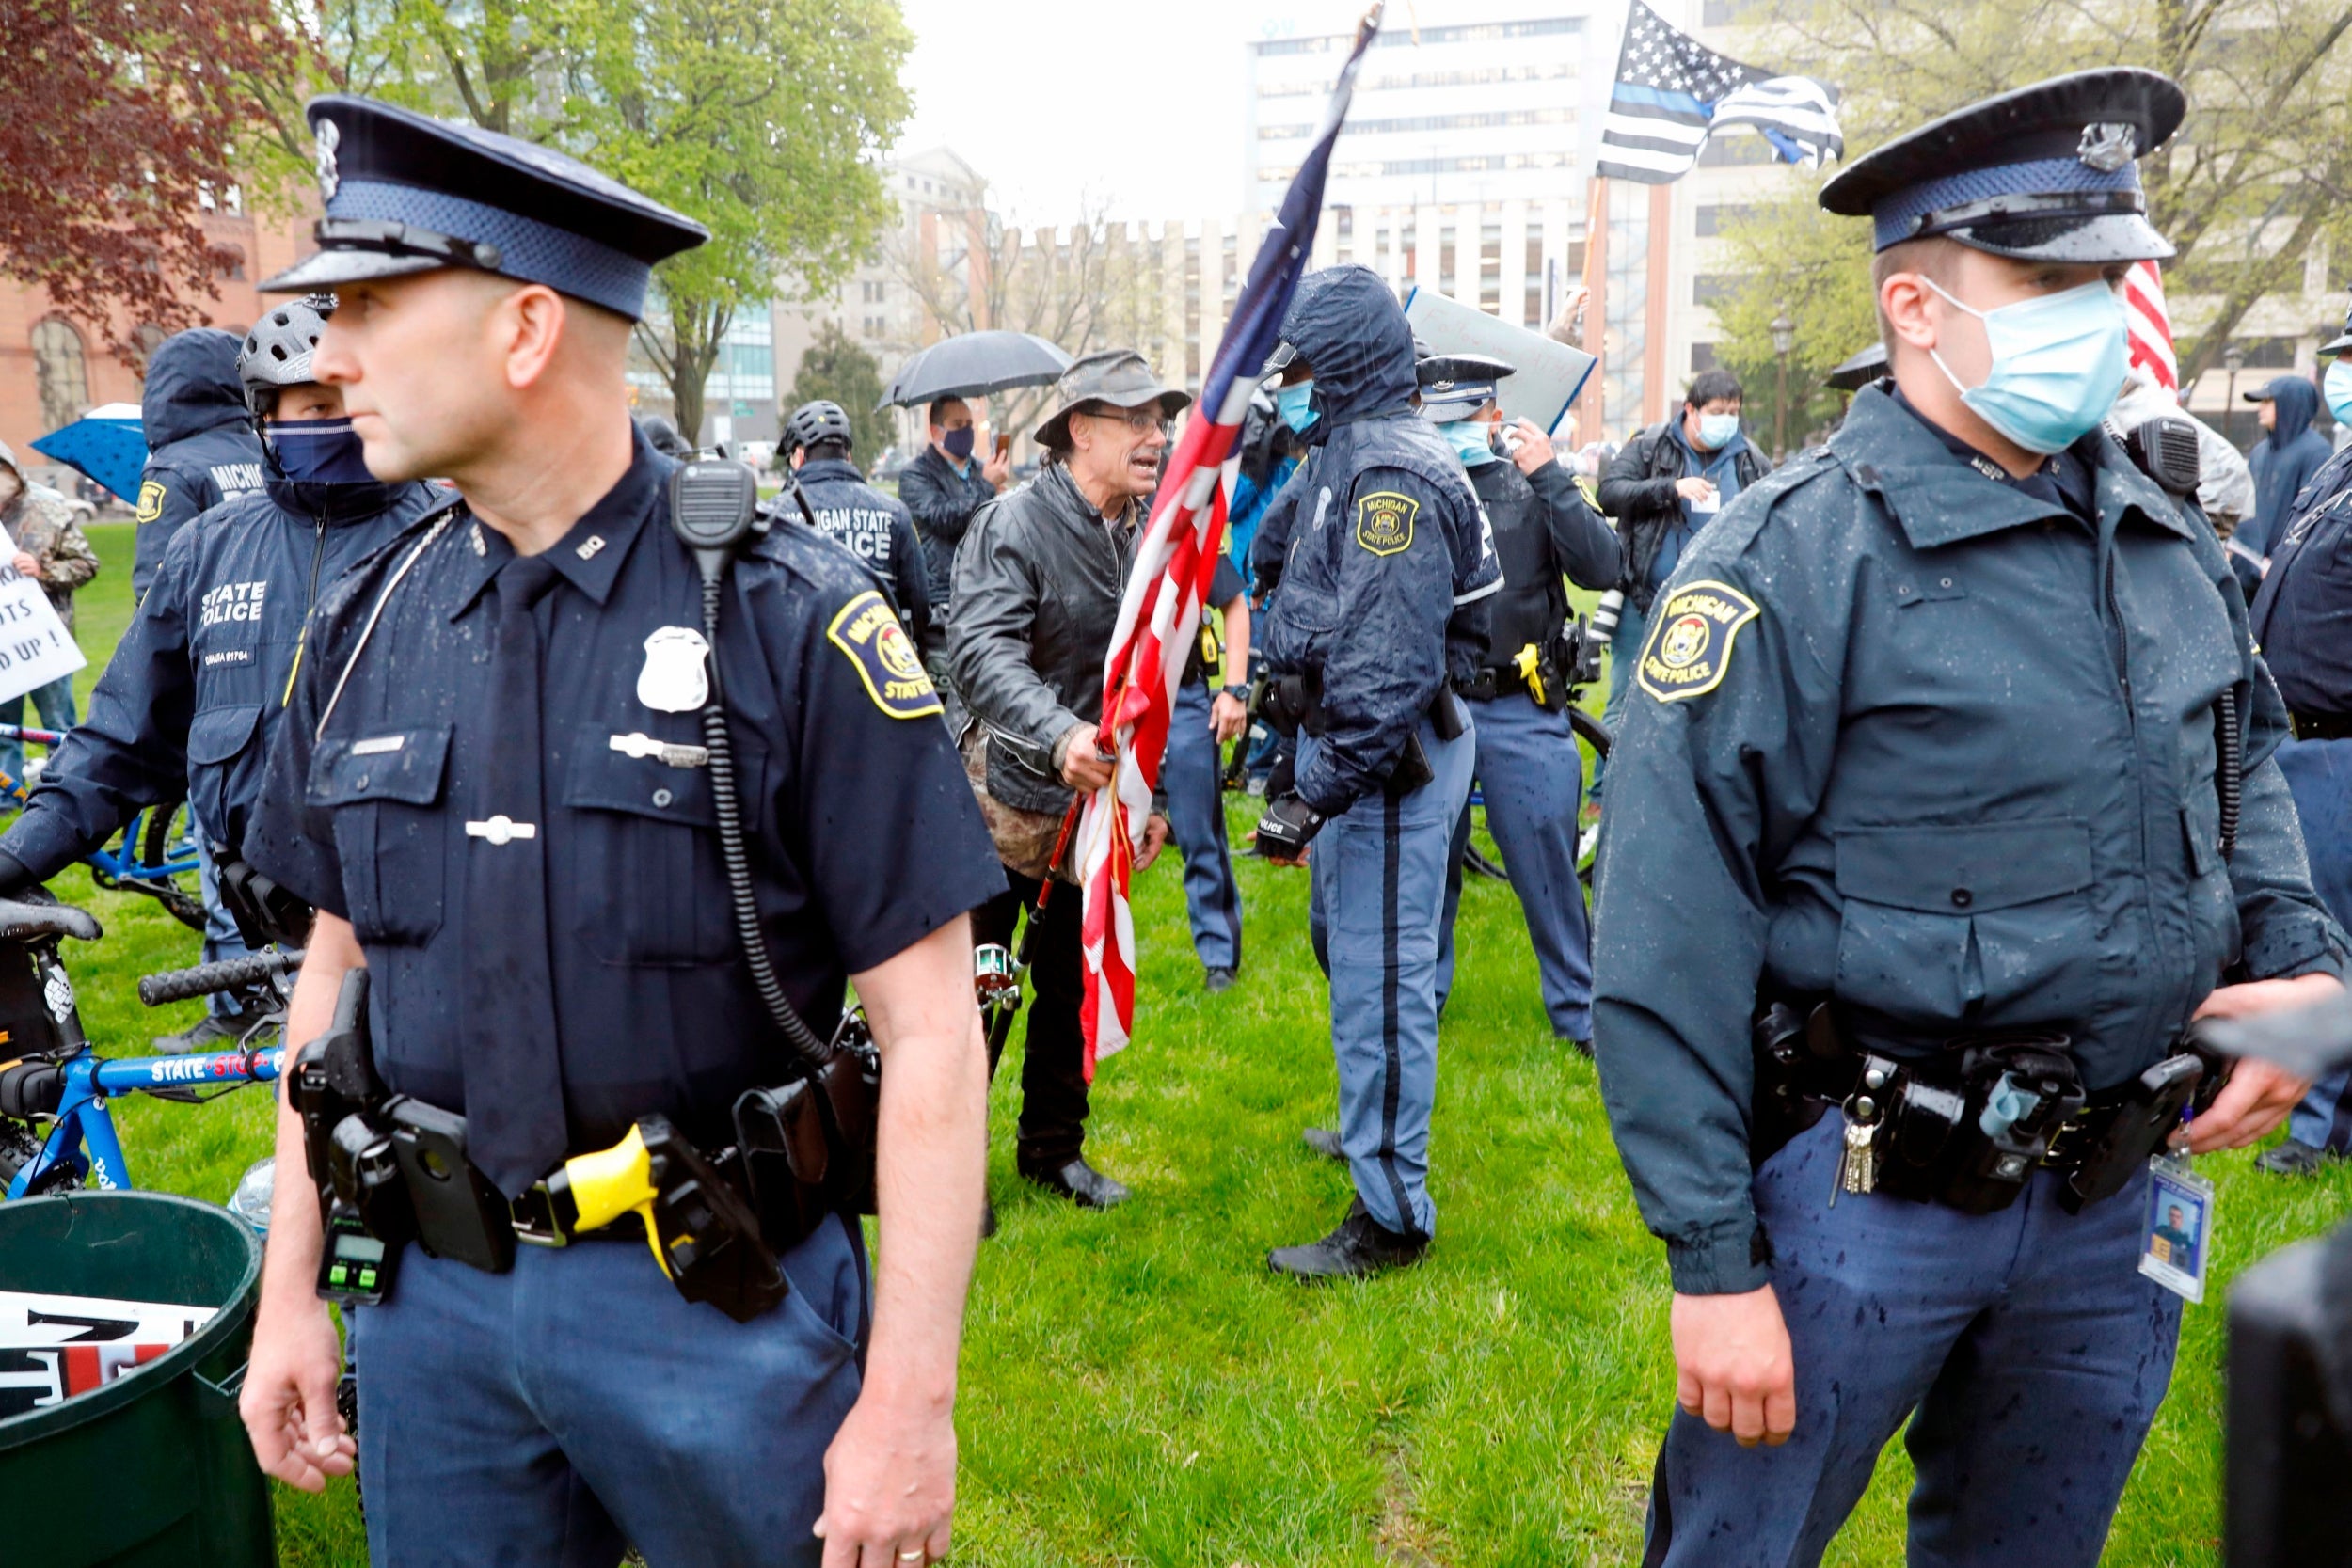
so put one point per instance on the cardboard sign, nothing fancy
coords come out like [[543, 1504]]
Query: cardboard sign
[[55, 1347], [34, 647], [1548, 373]]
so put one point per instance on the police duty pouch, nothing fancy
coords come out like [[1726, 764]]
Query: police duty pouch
[[459, 1214]]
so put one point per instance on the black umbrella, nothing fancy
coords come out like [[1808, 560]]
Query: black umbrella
[[974, 365], [1859, 371]]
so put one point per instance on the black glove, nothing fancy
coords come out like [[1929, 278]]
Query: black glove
[[16, 878], [1287, 826]]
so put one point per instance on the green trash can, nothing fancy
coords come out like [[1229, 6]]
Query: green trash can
[[151, 1471]]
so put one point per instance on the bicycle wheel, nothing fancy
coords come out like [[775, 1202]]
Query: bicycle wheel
[[18, 1147], [164, 865]]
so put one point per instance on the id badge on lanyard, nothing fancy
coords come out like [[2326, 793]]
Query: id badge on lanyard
[[2176, 1229]]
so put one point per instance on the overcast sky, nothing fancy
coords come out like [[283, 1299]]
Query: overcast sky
[[1063, 102]]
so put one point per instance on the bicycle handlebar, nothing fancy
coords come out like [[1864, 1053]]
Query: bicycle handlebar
[[178, 985]]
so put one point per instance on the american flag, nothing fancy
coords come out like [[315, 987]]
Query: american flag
[[2151, 327], [1174, 562], [1672, 92]]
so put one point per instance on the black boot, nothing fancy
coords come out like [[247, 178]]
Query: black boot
[[1081, 1183], [1360, 1247], [2292, 1159]]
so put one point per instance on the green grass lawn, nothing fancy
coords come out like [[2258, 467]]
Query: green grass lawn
[[1138, 1389]]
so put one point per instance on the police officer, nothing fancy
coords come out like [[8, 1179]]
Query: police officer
[[1381, 604], [200, 450], [2301, 617], [1924, 753], [492, 783], [852, 514], [187, 707], [1528, 768], [1202, 721]]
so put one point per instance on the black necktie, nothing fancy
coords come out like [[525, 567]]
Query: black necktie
[[514, 1126]]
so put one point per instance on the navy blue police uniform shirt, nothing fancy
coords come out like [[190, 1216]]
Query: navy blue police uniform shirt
[[870, 526], [862, 832], [1940, 748], [2303, 613], [199, 683]]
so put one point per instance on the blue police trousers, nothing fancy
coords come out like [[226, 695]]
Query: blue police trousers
[[2319, 776], [1533, 778], [1379, 894], [549, 1417], [2024, 1346], [1624, 648], [1196, 814]]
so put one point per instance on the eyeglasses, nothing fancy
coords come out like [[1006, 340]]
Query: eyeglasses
[[1140, 421]]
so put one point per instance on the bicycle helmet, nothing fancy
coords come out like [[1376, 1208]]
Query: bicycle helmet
[[814, 423], [276, 353]]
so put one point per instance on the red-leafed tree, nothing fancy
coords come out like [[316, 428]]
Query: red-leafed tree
[[119, 121]]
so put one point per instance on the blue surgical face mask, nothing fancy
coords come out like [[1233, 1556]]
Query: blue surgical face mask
[[319, 452], [1716, 430], [2336, 386], [1290, 403], [2058, 364], [1469, 440], [958, 444]]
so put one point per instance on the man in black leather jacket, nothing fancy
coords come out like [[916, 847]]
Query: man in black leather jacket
[[1038, 580]]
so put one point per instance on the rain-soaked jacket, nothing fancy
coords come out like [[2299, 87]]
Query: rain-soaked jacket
[[197, 686], [1391, 562], [1918, 740], [201, 446], [2283, 461], [872, 527], [40, 522]]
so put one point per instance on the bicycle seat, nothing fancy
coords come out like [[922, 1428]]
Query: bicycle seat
[[24, 921]]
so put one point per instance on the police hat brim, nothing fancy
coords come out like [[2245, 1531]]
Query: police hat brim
[[2337, 345], [2110, 237], [330, 267], [1451, 408]]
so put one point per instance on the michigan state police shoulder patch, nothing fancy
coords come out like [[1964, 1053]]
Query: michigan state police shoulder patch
[[1690, 633], [1383, 521], [868, 631], [151, 501]]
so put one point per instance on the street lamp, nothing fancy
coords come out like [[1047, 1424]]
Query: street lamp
[[1783, 339], [2232, 360]]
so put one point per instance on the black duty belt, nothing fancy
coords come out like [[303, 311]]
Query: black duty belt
[[2321, 726], [1491, 682]]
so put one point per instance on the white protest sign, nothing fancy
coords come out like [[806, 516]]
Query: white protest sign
[[1549, 373], [34, 647]]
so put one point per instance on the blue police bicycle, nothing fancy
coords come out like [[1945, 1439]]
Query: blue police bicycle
[[55, 1130], [155, 856]]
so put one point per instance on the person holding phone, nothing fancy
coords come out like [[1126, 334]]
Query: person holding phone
[[947, 484], [1666, 484]]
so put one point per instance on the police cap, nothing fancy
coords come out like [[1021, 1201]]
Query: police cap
[[406, 194], [2342, 340], [2047, 172], [1455, 385]]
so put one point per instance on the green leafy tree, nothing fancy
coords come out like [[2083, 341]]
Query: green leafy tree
[[764, 119], [836, 367], [2261, 174]]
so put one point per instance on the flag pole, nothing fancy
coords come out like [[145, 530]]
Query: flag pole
[[1592, 412]]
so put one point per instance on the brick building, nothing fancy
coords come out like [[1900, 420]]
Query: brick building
[[54, 367]]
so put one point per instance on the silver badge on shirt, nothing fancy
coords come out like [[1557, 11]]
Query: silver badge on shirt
[[674, 679]]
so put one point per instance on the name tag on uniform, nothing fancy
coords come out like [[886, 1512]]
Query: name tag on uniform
[[378, 745], [641, 746]]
